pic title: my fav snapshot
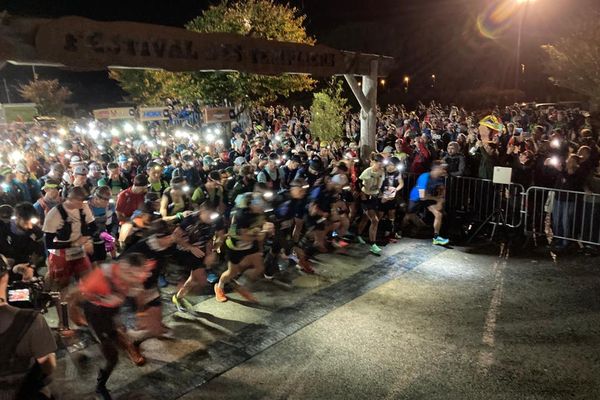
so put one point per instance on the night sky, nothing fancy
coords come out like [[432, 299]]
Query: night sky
[[426, 37]]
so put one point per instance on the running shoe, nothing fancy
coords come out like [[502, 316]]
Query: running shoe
[[162, 281], [375, 249], [340, 244], [220, 294], [304, 266], [293, 257], [440, 241], [182, 303], [245, 293], [212, 278], [360, 240], [269, 277]]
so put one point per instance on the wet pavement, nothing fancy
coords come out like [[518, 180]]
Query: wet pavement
[[419, 322]]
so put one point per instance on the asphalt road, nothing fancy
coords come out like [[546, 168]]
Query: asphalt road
[[418, 323]]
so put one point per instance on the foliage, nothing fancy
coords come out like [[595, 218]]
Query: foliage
[[255, 18], [328, 110], [574, 60], [48, 95]]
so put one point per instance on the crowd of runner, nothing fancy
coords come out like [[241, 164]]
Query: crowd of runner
[[113, 205]]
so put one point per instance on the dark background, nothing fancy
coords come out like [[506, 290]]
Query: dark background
[[425, 36]]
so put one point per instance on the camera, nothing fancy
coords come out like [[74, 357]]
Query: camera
[[31, 294]]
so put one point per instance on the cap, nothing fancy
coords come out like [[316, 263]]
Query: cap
[[75, 160], [492, 122], [22, 168], [208, 160], [258, 201], [176, 173], [339, 179], [240, 161], [273, 157], [388, 149], [81, 170], [123, 158], [177, 180], [95, 167], [317, 165]]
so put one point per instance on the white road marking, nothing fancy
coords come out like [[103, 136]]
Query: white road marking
[[486, 356]]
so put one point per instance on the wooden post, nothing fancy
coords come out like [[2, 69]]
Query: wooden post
[[368, 118]]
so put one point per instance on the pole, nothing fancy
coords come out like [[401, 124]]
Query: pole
[[368, 118], [6, 90]]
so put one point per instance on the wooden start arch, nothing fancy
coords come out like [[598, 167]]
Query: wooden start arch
[[83, 44]]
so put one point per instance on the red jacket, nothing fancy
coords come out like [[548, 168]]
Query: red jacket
[[128, 202]]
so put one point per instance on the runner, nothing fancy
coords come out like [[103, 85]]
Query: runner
[[429, 194], [195, 236], [372, 180], [105, 290], [244, 244]]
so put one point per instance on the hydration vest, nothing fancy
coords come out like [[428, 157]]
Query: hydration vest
[[64, 233]]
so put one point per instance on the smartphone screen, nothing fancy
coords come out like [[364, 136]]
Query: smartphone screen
[[16, 295]]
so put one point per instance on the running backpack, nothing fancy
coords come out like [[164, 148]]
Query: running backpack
[[64, 233]]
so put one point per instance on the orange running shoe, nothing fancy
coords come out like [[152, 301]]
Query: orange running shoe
[[304, 266], [220, 294], [245, 293]]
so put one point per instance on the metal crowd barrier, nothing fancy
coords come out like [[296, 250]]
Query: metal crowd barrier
[[562, 215], [478, 200], [481, 200], [559, 215]]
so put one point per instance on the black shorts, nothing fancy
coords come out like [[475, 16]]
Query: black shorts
[[386, 206], [101, 320], [236, 256], [347, 196], [315, 222], [99, 252], [415, 207], [187, 259], [370, 202]]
